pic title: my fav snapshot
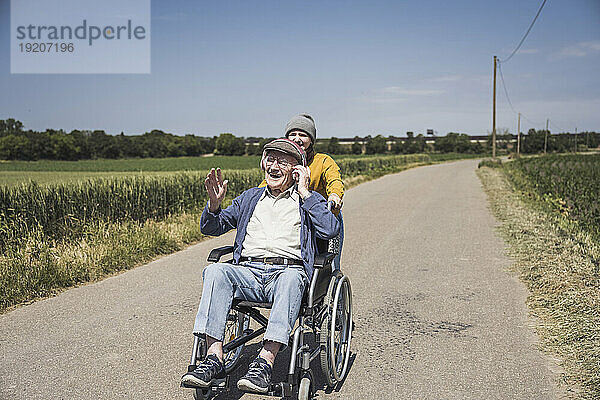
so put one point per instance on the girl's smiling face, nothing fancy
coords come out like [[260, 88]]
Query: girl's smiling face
[[301, 138]]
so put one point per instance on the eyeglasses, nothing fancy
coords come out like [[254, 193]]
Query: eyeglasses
[[283, 163]]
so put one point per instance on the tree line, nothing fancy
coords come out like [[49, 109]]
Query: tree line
[[19, 144], [16, 143], [538, 141]]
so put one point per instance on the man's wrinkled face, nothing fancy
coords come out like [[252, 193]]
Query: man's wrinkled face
[[278, 170]]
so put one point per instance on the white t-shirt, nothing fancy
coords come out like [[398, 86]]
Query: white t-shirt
[[274, 228]]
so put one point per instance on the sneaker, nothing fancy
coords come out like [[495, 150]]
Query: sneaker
[[211, 367], [258, 377]]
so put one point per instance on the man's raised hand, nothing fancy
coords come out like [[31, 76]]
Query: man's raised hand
[[216, 188], [302, 177]]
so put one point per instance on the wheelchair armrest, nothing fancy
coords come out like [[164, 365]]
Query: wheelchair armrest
[[321, 260], [216, 254]]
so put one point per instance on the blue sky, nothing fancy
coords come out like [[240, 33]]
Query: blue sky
[[359, 67]]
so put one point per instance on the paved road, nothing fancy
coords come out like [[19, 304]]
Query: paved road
[[437, 315]]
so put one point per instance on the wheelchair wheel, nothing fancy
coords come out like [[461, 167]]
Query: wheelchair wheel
[[202, 394], [305, 391], [336, 330], [237, 323]]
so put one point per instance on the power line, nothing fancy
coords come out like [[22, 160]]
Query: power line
[[510, 102], [504, 85], [511, 105], [526, 33], [530, 121], [558, 128], [509, 57]]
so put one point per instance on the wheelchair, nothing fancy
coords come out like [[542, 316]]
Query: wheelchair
[[325, 312]]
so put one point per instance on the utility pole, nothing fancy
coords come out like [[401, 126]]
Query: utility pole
[[587, 140], [575, 140], [519, 136], [546, 136], [494, 114]]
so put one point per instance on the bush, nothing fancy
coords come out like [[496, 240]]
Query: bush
[[376, 145], [491, 163], [229, 145], [356, 147]]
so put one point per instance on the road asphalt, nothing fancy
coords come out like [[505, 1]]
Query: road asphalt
[[438, 315]]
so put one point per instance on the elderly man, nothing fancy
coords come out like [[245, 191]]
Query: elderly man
[[273, 258]]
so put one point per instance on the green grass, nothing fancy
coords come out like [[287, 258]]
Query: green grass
[[15, 178], [135, 164], [14, 173], [139, 164]]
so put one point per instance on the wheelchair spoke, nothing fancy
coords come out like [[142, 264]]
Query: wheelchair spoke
[[236, 323]]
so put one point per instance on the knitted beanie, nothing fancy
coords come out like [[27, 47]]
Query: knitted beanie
[[304, 123]]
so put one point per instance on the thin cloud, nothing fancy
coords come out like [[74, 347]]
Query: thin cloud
[[526, 76], [386, 100], [592, 45], [400, 91], [581, 49], [459, 78], [397, 94], [446, 78], [480, 78], [528, 51]]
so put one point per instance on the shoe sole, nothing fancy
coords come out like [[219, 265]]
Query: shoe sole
[[247, 386], [191, 380]]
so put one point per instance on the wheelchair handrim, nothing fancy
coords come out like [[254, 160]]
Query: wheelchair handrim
[[347, 332]]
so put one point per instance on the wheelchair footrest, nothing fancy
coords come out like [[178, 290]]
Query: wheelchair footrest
[[280, 389], [216, 385], [220, 384]]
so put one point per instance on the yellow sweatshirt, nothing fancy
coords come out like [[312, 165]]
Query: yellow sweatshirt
[[324, 176]]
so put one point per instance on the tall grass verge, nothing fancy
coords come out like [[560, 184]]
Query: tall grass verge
[[559, 261]]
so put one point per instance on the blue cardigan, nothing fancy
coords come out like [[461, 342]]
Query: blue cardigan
[[316, 221]]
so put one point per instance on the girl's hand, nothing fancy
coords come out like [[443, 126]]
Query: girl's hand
[[337, 202]]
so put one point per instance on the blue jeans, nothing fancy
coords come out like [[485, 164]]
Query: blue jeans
[[336, 261], [281, 285]]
